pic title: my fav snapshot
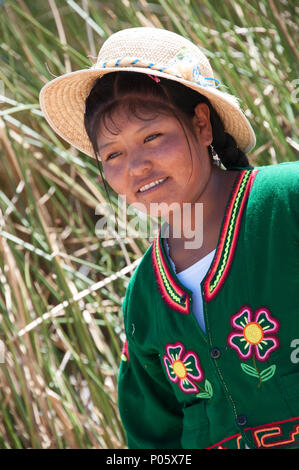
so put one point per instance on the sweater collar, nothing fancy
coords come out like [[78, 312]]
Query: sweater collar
[[173, 292]]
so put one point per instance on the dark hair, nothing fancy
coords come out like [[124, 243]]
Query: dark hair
[[140, 94]]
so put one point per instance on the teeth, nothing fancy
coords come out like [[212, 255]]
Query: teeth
[[150, 185]]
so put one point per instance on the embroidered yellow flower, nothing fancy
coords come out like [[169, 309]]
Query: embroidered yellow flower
[[253, 333], [183, 367]]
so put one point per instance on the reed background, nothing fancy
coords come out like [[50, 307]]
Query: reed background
[[61, 286]]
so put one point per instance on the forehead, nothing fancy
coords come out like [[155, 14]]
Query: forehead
[[122, 118]]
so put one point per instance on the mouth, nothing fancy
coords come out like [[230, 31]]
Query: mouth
[[148, 188]]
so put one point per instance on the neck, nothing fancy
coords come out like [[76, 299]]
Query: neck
[[201, 218]]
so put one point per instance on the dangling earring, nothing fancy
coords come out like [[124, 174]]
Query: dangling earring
[[216, 159]]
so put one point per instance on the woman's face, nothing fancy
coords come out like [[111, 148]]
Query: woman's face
[[144, 152]]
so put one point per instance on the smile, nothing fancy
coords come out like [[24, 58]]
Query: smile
[[146, 187]]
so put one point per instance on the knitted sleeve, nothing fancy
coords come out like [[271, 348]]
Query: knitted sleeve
[[149, 411]]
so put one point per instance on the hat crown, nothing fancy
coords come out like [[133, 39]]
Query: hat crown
[[152, 45]]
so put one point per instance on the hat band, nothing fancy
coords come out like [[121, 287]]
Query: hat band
[[186, 70]]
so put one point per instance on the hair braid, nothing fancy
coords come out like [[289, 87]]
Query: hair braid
[[225, 145]]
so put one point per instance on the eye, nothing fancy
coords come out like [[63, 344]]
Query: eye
[[151, 137], [111, 156]]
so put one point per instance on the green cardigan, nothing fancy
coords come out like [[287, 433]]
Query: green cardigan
[[238, 385]]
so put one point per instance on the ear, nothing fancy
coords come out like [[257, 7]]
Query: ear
[[202, 124]]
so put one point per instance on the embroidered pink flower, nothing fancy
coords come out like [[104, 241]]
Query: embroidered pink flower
[[183, 367], [254, 333]]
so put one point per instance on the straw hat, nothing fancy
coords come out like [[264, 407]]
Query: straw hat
[[153, 51]]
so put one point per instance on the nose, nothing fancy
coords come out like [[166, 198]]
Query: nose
[[139, 165]]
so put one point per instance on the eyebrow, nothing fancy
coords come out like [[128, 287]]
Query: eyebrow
[[101, 147]]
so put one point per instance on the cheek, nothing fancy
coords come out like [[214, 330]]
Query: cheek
[[113, 178], [118, 182], [173, 147]]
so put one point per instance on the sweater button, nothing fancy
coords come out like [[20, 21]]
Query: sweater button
[[183, 299], [215, 353], [241, 420]]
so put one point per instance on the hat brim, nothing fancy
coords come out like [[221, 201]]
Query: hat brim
[[62, 101]]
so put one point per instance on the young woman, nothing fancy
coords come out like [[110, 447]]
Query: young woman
[[210, 359]]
